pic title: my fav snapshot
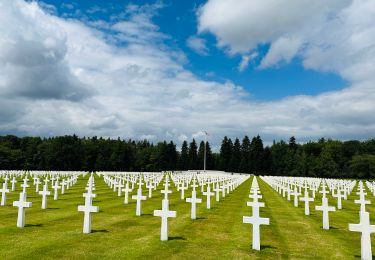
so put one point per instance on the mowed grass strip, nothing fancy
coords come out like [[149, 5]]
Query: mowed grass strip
[[218, 233]]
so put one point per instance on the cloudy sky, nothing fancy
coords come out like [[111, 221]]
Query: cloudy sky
[[171, 69]]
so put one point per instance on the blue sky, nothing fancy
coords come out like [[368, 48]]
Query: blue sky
[[171, 70], [178, 19]]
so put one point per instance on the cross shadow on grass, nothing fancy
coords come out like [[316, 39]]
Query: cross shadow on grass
[[33, 225], [99, 231], [267, 247], [176, 238]]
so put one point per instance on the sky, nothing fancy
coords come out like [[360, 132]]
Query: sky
[[170, 70]]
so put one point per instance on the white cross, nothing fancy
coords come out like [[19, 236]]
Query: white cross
[[56, 187], [326, 209], [307, 200], [119, 187], [208, 194], [193, 200], [339, 196], [44, 194], [37, 182], [217, 191], [139, 199], [63, 183], [25, 185], [87, 210], [323, 191], [183, 188], [362, 201], [150, 188], [13, 183], [295, 195], [4, 192], [255, 206], [126, 190], [165, 213], [256, 221], [166, 191], [22, 204], [366, 229]]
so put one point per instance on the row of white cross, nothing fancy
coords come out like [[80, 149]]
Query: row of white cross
[[22, 203], [339, 189], [255, 219], [223, 184]]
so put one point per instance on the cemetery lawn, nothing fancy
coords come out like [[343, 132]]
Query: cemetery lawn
[[218, 233]]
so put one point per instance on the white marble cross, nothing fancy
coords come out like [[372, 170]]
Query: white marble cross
[[307, 200], [362, 200], [22, 204], [339, 196], [366, 229], [4, 192], [164, 213], [13, 183], [63, 183], [87, 209], [256, 221], [150, 188], [56, 188], [139, 199], [326, 209], [217, 191], [295, 195], [37, 182], [208, 195], [25, 185], [44, 194], [183, 188], [126, 190], [193, 200], [120, 185]]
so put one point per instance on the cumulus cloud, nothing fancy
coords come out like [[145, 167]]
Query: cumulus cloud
[[198, 45], [74, 77], [32, 52], [335, 36]]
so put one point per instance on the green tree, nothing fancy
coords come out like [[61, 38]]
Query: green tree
[[193, 155]]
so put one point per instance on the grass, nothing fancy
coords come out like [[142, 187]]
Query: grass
[[218, 233]]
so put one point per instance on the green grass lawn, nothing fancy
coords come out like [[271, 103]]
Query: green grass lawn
[[218, 233]]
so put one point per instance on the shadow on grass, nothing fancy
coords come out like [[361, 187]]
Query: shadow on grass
[[201, 218], [53, 208], [267, 247], [33, 225], [176, 238], [99, 231]]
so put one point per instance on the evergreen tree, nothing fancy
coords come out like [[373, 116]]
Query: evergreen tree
[[256, 154], [201, 156], [245, 155], [225, 154], [184, 157], [193, 155], [234, 165]]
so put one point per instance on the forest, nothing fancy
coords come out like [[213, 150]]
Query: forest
[[322, 158]]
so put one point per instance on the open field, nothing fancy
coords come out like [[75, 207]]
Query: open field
[[218, 233]]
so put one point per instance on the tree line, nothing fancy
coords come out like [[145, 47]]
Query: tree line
[[322, 158]]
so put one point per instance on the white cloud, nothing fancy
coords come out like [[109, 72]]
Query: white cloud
[[245, 61], [198, 45], [282, 50], [128, 86], [335, 36]]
